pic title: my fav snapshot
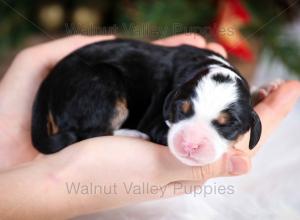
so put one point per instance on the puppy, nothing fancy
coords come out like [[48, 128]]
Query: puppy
[[188, 98]]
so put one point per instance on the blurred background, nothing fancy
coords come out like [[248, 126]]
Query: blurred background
[[244, 28]]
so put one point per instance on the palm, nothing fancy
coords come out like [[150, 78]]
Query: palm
[[15, 138]]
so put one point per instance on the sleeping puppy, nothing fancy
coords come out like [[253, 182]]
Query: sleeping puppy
[[188, 98]]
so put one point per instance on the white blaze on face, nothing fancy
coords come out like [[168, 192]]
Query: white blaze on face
[[194, 141]]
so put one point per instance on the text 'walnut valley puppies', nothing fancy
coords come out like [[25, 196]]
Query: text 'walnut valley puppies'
[[188, 98]]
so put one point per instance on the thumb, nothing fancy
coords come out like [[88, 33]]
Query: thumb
[[233, 163]]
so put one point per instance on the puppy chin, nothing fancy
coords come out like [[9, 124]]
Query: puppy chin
[[195, 160], [190, 161]]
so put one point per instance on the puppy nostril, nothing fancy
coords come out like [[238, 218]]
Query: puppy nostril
[[191, 147]]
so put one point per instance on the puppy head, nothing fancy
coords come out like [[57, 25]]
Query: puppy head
[[207, 114]]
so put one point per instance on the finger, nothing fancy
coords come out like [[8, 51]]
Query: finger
[[272, 110], [230, 164], [36, 61], [32, 65], [56, 50], [281, 100], [51, 52], [218, 48], [234, 162], [191, 39]]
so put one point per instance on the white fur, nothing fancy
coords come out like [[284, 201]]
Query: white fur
[[211, 98], [168, 123], [131, 133], [220, 59]]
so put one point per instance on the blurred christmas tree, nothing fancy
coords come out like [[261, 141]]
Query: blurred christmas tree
[[13, 27], [265, 22], [269, 25]]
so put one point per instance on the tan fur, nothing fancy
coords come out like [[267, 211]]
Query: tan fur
[[186, 106], [51, 125], [223, 118], [121, 114]]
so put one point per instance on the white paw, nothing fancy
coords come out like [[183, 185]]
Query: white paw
[[131, 133]]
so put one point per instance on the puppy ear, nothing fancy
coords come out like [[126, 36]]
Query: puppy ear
[[255, 132]]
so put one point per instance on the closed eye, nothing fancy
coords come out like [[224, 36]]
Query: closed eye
[[225, 119], [229, 129]]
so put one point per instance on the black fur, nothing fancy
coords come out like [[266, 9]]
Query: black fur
[[82, 91], [221, 78]]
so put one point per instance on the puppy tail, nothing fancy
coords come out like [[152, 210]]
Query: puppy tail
[[41, 140]]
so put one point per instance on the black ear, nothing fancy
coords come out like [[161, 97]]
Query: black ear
[[255, 130], [168, 104]]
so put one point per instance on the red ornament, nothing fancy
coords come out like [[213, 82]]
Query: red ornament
[[232, 15]]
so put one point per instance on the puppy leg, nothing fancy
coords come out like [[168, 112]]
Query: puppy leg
[[258, 94], [131, 133]]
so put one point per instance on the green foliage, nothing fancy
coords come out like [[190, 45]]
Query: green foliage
[[288, 51], [268, 21], [13, 29], [168, 17], [269, 26]]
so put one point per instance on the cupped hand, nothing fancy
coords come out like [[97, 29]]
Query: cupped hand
[[107, 160], [119, 164]]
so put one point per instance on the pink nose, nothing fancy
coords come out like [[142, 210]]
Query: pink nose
[[192, 148], [194, 142]]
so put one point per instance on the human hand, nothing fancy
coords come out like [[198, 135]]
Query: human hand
[[118, 163], [133, 160]]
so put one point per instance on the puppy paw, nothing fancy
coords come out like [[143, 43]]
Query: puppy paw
[[259, 94], [131, 133]]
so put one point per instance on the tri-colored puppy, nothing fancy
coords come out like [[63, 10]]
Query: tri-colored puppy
[[188, 98]]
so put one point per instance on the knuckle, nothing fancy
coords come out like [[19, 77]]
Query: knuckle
[[29, 55], [25, 56], [25, 53]]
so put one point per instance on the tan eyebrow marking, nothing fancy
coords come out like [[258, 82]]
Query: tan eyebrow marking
[[223, 118], [186, 106], [52, 127]]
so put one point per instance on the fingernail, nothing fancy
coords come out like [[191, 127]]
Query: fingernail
[[237, 165]]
